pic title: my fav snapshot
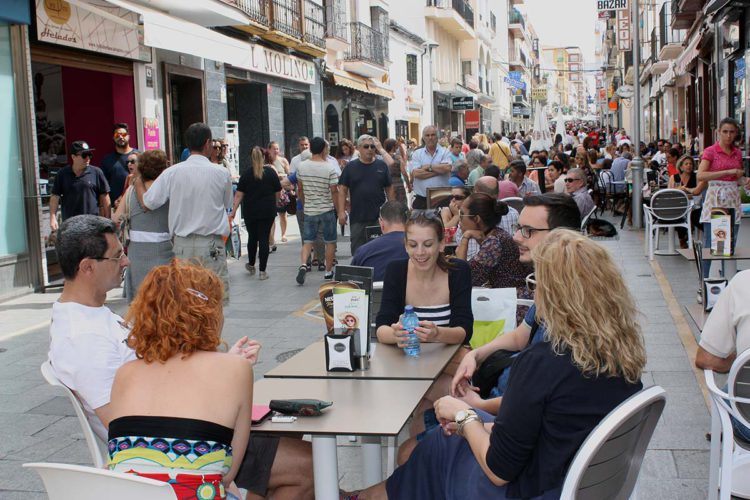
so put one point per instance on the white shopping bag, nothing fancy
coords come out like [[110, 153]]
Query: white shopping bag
[[494, 311]]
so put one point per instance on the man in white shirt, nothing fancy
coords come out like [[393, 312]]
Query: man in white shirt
[[199, 196], [88, 343], [304, 145], [429, 167]]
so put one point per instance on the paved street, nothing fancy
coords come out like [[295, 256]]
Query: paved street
[[38, 424]]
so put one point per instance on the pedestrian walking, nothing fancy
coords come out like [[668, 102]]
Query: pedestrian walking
[[279, 163], [115, 164], [199, 195], [430, 167]]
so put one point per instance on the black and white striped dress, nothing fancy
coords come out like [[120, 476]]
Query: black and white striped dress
[[440, 315]]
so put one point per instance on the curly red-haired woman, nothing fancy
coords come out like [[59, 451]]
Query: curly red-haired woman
[[182, 409]]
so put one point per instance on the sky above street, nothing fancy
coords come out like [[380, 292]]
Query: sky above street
[[565, 23]]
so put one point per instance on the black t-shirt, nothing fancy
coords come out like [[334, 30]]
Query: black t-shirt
[[115, 168], [259, 201], [692, 183], [367, 182], [80, 195]]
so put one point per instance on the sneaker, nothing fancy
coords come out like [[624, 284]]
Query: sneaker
[[250, 269], [301, 275], [328, 276], [309, 268], [263, 275], [321, 267]]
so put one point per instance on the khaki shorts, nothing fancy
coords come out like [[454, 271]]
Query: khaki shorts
[[206, 251]]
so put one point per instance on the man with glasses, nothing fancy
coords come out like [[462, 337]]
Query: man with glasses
[[540, 215], [115, 164], [388, 247], [429, 167], [575, 186], [369, 181], [88, 343], [80, 187]]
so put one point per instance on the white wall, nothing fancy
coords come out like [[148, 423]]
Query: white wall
[[397, 108]]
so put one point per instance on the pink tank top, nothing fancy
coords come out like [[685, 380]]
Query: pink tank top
[[719, 160]]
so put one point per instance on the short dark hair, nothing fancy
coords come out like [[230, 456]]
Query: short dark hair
[[394, 212], [456, 142], [317, 145], [519, 166], [674, 153], [473, 144], [196, 136], [492, 171], [302, 138], [562, 210], [80, 237], [120, 125]]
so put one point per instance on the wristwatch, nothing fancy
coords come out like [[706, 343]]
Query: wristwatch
[[463, 417], [429, 169]]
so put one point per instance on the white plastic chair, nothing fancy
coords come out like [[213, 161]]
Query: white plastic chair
[[95, 450], [515, 202], [670, 208], [78, 482], [585, 220], [729, 464], [607, 464]]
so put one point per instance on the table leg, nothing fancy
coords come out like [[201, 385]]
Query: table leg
[[391, 466], [325, 467], [372, 463], [670, 244]]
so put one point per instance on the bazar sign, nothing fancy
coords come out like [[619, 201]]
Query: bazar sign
[[274, 63], [611, 5], [61, 23]]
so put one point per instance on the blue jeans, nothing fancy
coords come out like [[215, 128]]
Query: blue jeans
[[707, 244], [326, 221]]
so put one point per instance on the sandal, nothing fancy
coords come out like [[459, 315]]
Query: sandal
[[283, 239], [273, 248]]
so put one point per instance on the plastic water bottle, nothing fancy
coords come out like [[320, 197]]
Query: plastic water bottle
[[410, 322]]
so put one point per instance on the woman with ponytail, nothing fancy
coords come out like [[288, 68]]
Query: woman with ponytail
[[496, 265]]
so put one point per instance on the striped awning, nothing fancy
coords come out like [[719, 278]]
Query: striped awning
[[365, 85]]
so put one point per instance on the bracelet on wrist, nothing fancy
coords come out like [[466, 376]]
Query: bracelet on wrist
[[471, 418]]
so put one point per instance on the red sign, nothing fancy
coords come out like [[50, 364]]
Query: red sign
[[613, 105], [151, 134], [472, 119]]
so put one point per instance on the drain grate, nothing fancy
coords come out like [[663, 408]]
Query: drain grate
[[286, 355]]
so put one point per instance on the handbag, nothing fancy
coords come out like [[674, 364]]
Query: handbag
[[488, 373], [291, 207], [283, 200], [125, 220]]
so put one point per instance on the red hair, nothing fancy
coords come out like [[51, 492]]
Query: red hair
[[178, 310]]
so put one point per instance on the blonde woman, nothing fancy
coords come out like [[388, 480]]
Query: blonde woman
[[259, 187], [590, 361]]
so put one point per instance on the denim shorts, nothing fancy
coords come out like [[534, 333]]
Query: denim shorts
[[325, 221]]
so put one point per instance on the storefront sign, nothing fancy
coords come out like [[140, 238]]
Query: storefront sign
[[739, 69], [472, 119], [604, 5], [462, 103], [61, 23], [521, 110], [515, 75], [274, 63], [151, 134], [539, 94], [623, 30]]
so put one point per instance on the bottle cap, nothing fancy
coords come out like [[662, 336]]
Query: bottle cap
[[408, 309]]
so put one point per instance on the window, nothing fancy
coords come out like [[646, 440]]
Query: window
[[411, 68]]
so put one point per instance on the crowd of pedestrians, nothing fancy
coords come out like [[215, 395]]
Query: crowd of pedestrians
[[505, 414]]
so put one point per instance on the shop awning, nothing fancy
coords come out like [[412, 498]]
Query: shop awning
[[688, 55], [362, 84]]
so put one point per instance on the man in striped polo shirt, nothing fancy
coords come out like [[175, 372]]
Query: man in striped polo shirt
[[317, 188]]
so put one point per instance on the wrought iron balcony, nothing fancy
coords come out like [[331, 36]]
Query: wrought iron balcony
[[335, 18], [315, 30], [366, 45], [257, 10], [668, 35], [287, 17], [464, 10]]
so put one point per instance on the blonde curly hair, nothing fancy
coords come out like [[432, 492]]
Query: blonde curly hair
[[586, 306]]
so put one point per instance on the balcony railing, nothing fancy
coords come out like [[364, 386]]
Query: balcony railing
[[315, 30], [493, 22], [257, 10], [515, 17], [335, 16], [654, 46], [668, 35], [366, 45], [287, 17], [461, 7]]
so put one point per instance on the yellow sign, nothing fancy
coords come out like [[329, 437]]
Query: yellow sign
[[57, 10], [539, 94]]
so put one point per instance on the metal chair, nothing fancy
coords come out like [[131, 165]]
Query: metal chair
[[585, 220], [607, 464], [729, 463], [670, 208], [515, 202], [95, 449], [78, 482]]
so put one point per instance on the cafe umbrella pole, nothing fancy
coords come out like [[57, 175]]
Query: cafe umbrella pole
[[636, 165]]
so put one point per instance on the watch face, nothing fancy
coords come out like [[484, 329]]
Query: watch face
[[461, 414]]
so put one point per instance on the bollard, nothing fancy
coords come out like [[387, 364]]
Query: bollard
[[636, 166]]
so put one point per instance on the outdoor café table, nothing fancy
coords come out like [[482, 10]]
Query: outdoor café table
[[388, 363], [376, 408], [730, 263]]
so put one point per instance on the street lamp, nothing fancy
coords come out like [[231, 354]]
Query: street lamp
[[636, 165]]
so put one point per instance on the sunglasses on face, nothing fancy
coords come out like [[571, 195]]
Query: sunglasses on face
[[570, 179], [86, 155], [131, 162], [368, 146], [120, 134], [217, 147]]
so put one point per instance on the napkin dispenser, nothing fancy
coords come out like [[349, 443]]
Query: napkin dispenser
[[345, 350]]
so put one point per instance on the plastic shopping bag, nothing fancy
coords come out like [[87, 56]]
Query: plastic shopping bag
[[494, 311]]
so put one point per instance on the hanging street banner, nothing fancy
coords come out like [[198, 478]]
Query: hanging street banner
[[624, 40], [516, 84], [539, 94]]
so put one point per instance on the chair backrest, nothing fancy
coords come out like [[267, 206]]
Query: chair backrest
[[372, 232], [670, 204], [586, 218], [375, 301], [738, 384], [607, 464], [91, 440], [77, 482], [515, 202]]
